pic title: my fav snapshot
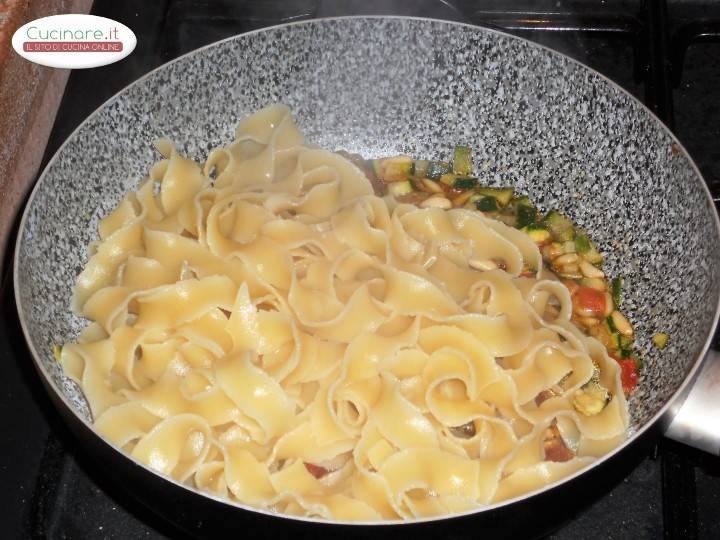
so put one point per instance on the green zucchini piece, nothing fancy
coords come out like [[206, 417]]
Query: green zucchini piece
[[456, 181], [465, 182], [626, 347], [394, 169], [582, 243], [436, 169], [522, 200], [591, 398], [526, 215], [475, 198], [560, 226], [593, 256], [57, 351], [448, 179], [398, 189], [613, 341], [501, 195], [487, 204], [586, 248], [538, 233], [639, 363], [660, 340], [616, 290], [462, 161], [611, 325], [421, 166]]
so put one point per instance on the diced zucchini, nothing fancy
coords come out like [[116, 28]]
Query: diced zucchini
[[639, 363], [462, 161], [591, 398], [501, 195], [616, 290], [626, 347], [593, 256], [617, 341], [456, 181], [522, 200], [560, 226], [421, 166], [586, 248], [611, 325], [57, 351], [399, 189], [394, 169], [436, 169], [465, 182], [475, 197], [526, 215], [448, 179], [582, 243], [539, 234], [487, 204], [660, 340]]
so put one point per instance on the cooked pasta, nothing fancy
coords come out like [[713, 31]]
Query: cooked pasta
[[265, 328]]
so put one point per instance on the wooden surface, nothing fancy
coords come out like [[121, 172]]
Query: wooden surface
[[29, 98]]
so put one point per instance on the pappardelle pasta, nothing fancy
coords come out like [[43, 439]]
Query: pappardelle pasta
[[268, 329]]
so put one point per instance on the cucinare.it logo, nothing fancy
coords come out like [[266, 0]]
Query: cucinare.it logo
[[74, 41]]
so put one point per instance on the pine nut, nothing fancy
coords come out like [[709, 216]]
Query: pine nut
[[552, 251], [622, 324], [589, 321], [590, 270], [482, 264], [568, 258], [432, 186], [436, 202]]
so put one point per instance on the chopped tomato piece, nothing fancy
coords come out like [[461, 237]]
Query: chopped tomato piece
[[316, 470], [589, 301], [628, 375]]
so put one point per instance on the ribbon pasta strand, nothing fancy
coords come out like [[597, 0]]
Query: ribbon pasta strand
[[267, 329]]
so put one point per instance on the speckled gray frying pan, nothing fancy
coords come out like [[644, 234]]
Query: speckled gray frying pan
[[535, 119]]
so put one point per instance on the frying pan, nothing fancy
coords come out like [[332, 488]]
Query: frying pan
[[537, 120]]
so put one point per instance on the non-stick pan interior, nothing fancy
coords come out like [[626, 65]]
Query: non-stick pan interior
[[535, 119]]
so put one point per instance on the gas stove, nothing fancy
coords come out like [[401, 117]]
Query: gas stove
[[666, 53]]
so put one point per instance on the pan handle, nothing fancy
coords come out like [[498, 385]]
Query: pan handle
[[697, 420]]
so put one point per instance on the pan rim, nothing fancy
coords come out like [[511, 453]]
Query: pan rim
[[686, 384]]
